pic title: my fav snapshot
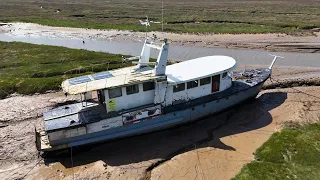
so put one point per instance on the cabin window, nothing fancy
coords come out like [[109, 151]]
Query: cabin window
[[192, 84], [224, 74], [132, 89], [114, 92], [205, 81], [179, 87], [147, 86]]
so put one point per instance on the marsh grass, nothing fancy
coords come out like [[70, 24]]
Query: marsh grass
[[292, 153], [27, 68], [227, 16]]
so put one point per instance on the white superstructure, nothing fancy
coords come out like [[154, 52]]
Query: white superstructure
[[141, 85]]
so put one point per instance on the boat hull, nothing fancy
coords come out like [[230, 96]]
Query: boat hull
[[166, 120]]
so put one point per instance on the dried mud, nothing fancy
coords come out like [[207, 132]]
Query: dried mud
[[239, 140], [214, 148]]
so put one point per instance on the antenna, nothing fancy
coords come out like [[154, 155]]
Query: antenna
[[147, 24], [162, 18]]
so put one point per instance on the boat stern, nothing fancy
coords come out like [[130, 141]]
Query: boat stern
[[42, 142]]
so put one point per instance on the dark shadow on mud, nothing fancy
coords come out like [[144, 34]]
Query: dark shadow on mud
[[168, 143]]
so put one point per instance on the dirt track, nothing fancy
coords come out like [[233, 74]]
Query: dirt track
[[213, 148], [272, 42]]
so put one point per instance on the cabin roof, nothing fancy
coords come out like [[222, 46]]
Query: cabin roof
[[176, 73], [199, 68], [108, 79]]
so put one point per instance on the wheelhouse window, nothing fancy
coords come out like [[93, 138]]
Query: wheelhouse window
[[114, 92], [147, 86], [205, 81], [224, 74], [132, 89], [192, 84], [179, 87]]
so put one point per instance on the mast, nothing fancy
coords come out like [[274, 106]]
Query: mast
[[160, 67], [162, 18], [147, 22]]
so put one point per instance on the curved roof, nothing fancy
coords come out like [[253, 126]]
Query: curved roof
[[199, 68]]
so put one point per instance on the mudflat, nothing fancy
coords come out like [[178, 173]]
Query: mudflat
[[211, 148], [309, 43]]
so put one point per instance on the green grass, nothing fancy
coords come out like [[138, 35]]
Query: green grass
[[292, 153], [221, 16], [28, 69]]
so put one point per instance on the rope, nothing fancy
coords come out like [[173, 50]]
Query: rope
[[34, 166], [72, 164]]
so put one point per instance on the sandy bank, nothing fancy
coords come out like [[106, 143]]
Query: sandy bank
[[271, 42]]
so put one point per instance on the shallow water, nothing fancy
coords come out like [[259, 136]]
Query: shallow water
[[176, 52]]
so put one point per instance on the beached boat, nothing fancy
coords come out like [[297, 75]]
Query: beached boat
[[141, 99]]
